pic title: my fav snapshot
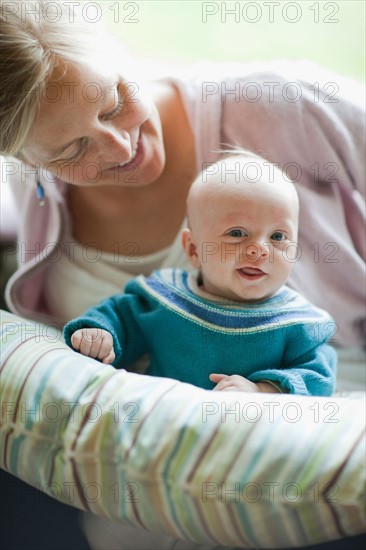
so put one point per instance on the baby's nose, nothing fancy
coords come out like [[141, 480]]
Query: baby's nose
[[257, 250]]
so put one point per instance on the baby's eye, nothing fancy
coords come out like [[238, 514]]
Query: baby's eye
[[278, 236], [237, 233]]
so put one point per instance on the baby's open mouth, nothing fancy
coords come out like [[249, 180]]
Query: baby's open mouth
[[251, 272]]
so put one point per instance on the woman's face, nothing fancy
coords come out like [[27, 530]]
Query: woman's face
[[95, 128]]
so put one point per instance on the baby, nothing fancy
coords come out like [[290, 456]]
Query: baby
[[233, 324]]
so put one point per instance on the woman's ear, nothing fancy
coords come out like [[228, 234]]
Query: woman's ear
[[190, 248]]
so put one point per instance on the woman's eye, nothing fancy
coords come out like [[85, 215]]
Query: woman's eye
[[117, 108], [79, 152], [278, 236], [236, 233]]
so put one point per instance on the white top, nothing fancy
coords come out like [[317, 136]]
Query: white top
[[84, 275]]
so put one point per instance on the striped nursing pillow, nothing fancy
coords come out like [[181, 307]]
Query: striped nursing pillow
[[243, 470]]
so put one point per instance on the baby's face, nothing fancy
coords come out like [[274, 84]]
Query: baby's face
[[245, 239]]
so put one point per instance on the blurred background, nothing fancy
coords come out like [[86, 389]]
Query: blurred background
[[181, 31]]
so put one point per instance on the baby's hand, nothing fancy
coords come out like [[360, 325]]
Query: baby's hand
[[235, 382], [94, 342]]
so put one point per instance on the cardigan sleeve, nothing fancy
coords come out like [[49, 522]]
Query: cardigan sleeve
[[118, 315]]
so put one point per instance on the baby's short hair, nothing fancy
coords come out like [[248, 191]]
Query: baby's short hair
[[235, 166], [254, 162]]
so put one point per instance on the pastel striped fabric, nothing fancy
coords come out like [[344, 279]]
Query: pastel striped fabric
[[238, 470]]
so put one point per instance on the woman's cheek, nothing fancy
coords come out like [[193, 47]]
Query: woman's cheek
[[77, 173]]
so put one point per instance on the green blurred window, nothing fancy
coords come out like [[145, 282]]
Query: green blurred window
[[329, 33]]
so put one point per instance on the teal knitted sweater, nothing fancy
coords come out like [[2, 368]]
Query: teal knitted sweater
[[190, 334]]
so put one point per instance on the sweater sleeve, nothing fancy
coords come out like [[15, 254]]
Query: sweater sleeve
[[119, 315], [309, 362]]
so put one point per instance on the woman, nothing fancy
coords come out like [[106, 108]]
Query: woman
[[125, 156], [115, 160]]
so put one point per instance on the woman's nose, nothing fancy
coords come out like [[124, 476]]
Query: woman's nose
[[115, 145], [257, 250]]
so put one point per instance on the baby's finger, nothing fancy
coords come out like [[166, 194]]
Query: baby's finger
[[221, 386], [110, 358], [226, 386], [224, 383], [214, 377], [106, 347], [90, 342], [76, 339]]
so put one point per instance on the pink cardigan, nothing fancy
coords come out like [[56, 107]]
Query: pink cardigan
[[316, 135]]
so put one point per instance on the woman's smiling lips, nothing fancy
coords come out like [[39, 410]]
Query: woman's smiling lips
[[136, 159], [251, 273]]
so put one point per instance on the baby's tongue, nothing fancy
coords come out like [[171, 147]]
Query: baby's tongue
[[251, 271]]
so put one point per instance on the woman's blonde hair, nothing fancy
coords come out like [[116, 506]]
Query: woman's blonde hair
[[38, 37]]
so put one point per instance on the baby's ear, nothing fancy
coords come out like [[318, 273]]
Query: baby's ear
[[190, 248]]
